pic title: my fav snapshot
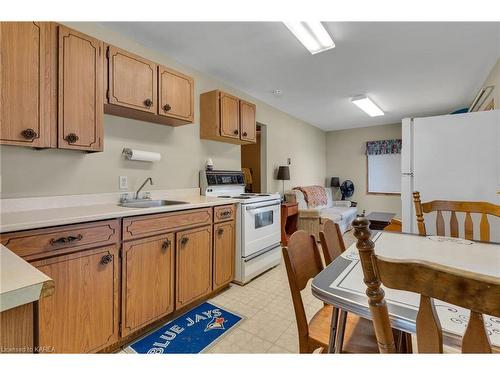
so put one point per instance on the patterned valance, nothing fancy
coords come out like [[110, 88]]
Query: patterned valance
[[387, 146]]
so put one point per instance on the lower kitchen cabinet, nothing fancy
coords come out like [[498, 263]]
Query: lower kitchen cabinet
[[193, 264], [224, 249], [147, 281], [82, 314]]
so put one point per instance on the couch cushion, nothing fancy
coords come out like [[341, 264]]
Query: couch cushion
[[315, 195], [340, 212]]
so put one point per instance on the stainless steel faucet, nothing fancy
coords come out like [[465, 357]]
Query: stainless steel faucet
[[143, 184]]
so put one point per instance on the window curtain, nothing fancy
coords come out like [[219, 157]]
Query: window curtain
[[387, 146]]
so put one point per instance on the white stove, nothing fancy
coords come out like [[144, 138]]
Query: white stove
[[258, 229]]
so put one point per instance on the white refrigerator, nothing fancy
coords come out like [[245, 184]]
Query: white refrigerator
[[451, 157]]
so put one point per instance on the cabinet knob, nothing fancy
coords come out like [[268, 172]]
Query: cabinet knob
[[220, 231], [167, 107], [106, 259], [235, 131], [245, 134], [148, 103], [29, 134], [71, 138], [165, 245], [184, 240]]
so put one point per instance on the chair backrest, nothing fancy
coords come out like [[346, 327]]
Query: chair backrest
[[332, 241], [302, 262], [483, 208], [478, 293]]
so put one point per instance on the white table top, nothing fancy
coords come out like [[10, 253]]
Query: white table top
[[341, 283], [20, 282]]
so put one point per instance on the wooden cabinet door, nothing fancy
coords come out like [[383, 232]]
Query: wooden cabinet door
[[175, 95], [25, 84], [82, 314], [229, 116], [248, 126], [80, 91], [193, 264], [132, 81], [147, 282], [224, 249]]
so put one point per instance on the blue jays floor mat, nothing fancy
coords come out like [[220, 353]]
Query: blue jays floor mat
[[190, 333]]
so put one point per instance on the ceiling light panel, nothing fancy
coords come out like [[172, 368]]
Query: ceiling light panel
[[312, 35], [367, 105]]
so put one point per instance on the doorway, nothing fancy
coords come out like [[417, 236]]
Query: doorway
[[253, 162]]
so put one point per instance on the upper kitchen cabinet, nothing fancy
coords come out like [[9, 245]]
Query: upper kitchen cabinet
[[25, 84], [247, 122], [132, 81], [226, 118], [175, 94], [140, 89], [80, 91]]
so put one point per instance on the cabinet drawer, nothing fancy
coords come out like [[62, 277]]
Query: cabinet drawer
[[223, 213], [46, 242], [142, 226]]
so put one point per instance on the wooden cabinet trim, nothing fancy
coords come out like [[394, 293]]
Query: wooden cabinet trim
[[9, 114], [45, 303], [127, 247], [113, 52], [248, 125], [148, 225], [224, 253], [35, 244], [181, 278], [161, 100], [224, 213], [95, 142]]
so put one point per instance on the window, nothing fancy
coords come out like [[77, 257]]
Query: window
[[383, 163]]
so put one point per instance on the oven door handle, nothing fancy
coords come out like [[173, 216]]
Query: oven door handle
[[250, 208]]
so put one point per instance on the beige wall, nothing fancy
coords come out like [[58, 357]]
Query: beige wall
[[345, 157], [493, 79], [27, 172]]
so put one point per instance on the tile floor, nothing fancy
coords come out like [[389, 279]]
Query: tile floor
[[269, 325], [265, 302]]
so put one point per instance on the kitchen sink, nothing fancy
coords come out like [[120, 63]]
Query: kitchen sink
[[146, 203]]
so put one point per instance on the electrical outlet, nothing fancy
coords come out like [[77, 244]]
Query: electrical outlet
[[123, 183]]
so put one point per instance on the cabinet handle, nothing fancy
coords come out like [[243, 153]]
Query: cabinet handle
[[64, 240], [29, 134], [225, 214], [106, 259], [165, 245], [167, 107], [220, 231], [235, 131], [184, 240], [71, 138], [148, 103]]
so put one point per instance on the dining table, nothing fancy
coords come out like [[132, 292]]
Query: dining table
[[341, 285]]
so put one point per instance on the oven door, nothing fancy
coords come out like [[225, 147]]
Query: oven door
[[260, 226]]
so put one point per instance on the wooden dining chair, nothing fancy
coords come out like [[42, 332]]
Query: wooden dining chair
[[303, 262], [332, 242], [483, 208], [478, 293]]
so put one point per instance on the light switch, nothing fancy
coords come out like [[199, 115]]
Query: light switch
[[123, 183]]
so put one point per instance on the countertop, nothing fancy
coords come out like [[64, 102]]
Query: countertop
[[46, 217], [20, 282]]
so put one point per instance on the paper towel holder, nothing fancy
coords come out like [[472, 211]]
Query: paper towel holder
[[130, 154]]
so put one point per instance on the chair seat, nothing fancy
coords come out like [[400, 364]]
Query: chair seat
[[359, 335]]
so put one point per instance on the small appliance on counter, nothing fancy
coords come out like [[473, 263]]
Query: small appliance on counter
[[258, 228]]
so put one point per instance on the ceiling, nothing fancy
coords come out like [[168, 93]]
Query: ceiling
[[408, 69]]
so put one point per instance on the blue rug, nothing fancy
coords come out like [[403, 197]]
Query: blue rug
[[190, 333]]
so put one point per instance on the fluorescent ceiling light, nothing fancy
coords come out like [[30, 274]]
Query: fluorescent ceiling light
[[312, 35], [367, 105]]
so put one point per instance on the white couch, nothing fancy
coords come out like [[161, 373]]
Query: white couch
[[312, 219]]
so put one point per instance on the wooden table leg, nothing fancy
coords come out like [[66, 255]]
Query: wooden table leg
[[339, 340], [333, 330]]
